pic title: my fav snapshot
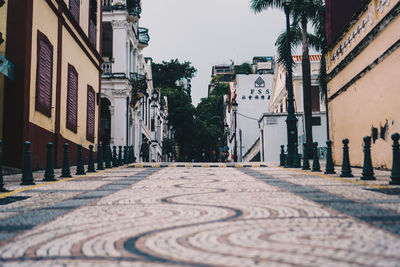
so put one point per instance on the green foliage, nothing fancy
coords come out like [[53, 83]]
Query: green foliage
[[220, 89], [244, 68], [166, 74]]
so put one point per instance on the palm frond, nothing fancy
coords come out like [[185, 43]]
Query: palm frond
[[260, 5], [295, 40]]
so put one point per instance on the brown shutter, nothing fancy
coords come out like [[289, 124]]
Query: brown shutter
[[44, 75], [315, 100], [92, 21], [74, 7], [91, 111], [92, 32], [72, 99]]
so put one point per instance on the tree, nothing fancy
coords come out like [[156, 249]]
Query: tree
[[302, 11], [166, 74]]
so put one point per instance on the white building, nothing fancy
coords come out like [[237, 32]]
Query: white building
[[251, 92], [273, 130], [127, 79]]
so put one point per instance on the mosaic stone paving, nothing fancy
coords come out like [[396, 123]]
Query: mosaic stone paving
[[202, 217]]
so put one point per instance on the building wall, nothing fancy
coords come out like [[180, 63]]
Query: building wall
[[363, 81], [70, 45], [3, 27]]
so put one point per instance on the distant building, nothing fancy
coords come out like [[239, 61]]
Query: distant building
[[55, 46], [363, 62], [252, 94], [273, 123]]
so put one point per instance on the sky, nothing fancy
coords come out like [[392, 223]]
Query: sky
[[208, 32]]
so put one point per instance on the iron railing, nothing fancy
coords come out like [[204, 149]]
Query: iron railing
[[139, 83], [144, 37]]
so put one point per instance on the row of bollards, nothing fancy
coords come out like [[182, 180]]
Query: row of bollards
[[367, 171], [112, 159]]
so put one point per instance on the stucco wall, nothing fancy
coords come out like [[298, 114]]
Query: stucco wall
[[372, 100], [46, 22]]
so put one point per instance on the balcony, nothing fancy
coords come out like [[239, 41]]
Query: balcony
[[139, 87], [144, 37], [132, 6]]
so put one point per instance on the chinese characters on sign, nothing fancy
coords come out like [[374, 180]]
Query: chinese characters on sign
[[259, 93]]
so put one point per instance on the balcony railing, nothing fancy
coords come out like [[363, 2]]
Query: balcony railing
[[139, 83], [106, 68], [144, 37], [132, 6]]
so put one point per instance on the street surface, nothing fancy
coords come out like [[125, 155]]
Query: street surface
[[202, 217]]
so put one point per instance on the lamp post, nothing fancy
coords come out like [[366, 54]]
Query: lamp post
[[154, 99], [235, 109], [291, 120]]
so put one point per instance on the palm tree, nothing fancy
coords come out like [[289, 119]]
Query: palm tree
[[303, 11]]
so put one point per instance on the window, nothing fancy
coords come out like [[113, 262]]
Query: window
[[91, 112], [316, 121], [315, 99], [93, 21], [74, 7], [44, 74], [72, 99]]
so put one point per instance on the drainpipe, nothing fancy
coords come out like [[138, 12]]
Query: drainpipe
[[127, 121]]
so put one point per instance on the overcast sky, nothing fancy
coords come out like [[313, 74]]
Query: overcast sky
[[208, 32]]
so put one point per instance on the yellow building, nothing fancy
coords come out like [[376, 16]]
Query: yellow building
[[363, 63], [55, 46]]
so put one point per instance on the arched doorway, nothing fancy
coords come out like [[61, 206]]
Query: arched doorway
[[105, 122]]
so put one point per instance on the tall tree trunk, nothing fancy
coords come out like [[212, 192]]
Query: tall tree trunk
[[307, 105], [324, 91]]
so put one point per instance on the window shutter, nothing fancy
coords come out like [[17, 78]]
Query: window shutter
[[74, 7], [92, 32], [72, 99], [92, 21], [91, 111], [315, 100], [44, 75]]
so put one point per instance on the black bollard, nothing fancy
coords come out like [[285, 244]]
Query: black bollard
[[66, 172], [126, 155], [2, 189], [114, 157], [132, 155], [108, 157], [395, 175], [100, 162], [368, 170], [316, 167], [49, 172], [346, 168], [120, 163], [27, 175], [80, 165], [306, 162], [296, 160], [91, 160], [330, 167], [282, 157]]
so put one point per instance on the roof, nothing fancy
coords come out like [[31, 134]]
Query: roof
[[313, 58]]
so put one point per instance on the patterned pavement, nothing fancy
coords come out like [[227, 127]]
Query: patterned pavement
[[202, 217]]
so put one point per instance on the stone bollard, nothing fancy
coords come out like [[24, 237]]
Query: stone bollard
[[282, 157], [368, 170], [108, 157], [91, 160], [296, 160], [120, 163], [80, 166], [126, 155], [49, 172], [114, 157], [346, 168], [395, 175], [330, 167], [306, 162], [27, 175], [316, 167], [100, 162], [66, 172], [2, 189]]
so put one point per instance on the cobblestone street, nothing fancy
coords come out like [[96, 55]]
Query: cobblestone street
[[202, 217]]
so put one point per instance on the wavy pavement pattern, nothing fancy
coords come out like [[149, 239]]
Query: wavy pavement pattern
[[192, 217]]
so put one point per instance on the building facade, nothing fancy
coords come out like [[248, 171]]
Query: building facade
[[55, 46], [363, 59], [273, 124]]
